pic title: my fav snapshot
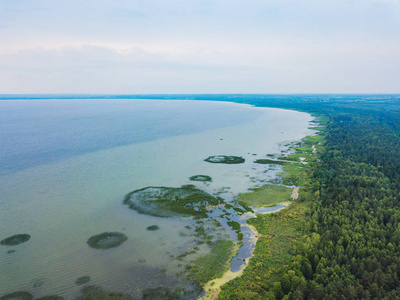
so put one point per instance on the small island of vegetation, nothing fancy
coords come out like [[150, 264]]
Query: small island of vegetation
[[200, 178], [15, 239], [225, 159], [106, 240], [161, 201]]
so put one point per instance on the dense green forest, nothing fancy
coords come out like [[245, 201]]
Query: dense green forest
[[346, 243]]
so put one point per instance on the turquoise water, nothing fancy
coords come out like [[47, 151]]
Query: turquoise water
[[67, 165]]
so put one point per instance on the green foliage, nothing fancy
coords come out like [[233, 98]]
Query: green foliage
[[351, 246], [265, 161], [163, 201], [214, 264], [272, 251], [265, 195]]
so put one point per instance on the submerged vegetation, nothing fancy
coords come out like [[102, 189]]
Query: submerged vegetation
[[18, 296], [185, 201], [106, 240], [15, 239], [82, 280]]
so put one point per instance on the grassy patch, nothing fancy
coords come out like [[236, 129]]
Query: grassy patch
[[313, 139], [265, 195], [214, 264], [319, 128], [296, 156], [292, 174], [305, 149]]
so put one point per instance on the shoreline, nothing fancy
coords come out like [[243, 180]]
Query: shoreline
[[213, 287]]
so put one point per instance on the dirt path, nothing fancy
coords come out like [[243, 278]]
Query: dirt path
[[295, 194]]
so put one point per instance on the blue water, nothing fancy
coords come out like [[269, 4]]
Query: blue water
[[67, 164], [34, 132]]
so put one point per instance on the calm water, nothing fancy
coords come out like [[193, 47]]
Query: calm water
[[65, 166]]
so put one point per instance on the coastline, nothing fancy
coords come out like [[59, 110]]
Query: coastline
[[213, 287]]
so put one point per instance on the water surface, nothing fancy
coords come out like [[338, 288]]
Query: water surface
[[66, 166]]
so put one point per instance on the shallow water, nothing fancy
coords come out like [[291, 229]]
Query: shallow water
[[63, 200]]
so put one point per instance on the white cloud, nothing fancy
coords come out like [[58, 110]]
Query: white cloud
[[199, 46]]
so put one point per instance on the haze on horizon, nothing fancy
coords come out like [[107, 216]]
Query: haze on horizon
[[200, 46]]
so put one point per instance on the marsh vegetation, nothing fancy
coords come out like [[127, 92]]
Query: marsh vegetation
[[185, 201], [15, 239], [107, 240]]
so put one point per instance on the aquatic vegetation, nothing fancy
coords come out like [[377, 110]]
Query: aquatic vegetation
[[38, 282], [213, 264], [10, 251], [17, 296], [15, 239], [162, 201], [272, 253], [161, 293], [225, 159], [82, 280], [107, 240], [153, 228], [200, 178], [236, 227], [94, 292], [51, 297], [265, 161]]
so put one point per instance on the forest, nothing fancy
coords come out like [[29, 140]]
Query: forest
[[341, 240]]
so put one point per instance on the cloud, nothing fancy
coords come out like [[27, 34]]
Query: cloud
[[177, 46]]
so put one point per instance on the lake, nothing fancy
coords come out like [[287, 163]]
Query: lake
[[67, 165]]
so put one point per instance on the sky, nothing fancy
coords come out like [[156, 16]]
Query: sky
[[195, 46]]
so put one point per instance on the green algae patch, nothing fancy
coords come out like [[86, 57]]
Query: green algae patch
[[161, 201], [225, 159], [266, 161], [265, 195], [153, 228], [15, 239], [214, 264], [200, 178], [82, 280], [107, 240], [17, 296]]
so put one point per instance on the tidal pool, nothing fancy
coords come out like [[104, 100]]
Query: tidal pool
[[63, 201]]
